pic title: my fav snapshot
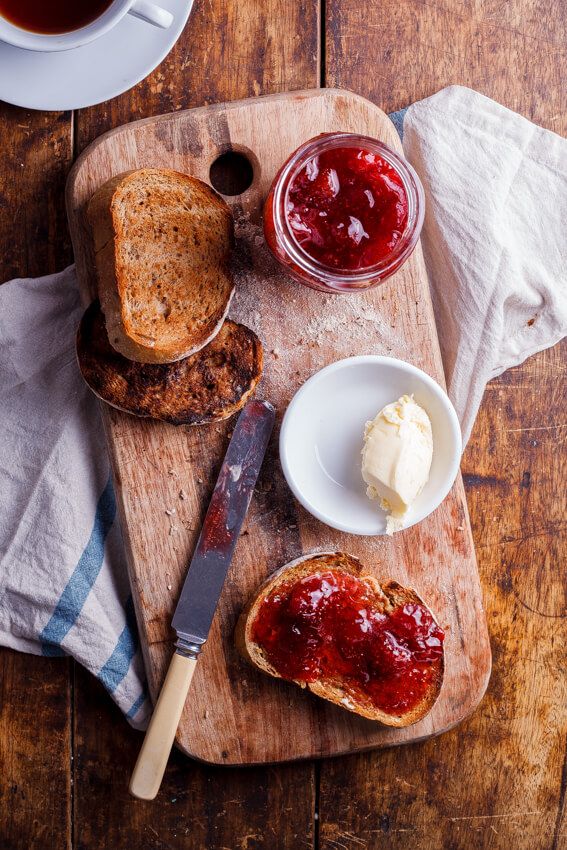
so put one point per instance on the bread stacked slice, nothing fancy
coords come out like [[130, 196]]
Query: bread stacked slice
[[163, 243]]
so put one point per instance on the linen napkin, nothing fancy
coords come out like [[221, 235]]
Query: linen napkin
[[494, 236], [496, 255], [63, 582]]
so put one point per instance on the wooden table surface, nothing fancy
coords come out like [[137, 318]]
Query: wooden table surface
[[498, 780]]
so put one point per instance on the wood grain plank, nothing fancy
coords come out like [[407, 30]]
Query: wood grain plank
[[227, 51], [197, 807], [35, 752], [35, 698], [252, 719], [499, 780], [34, 159], [395, 53]]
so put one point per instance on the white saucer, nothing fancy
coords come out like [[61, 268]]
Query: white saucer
[[322, 434], [91, 74]]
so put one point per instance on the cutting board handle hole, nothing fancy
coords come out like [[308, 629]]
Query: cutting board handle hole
[[231, 173]]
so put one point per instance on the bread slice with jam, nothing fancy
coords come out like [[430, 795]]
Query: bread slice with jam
[[373, 648]]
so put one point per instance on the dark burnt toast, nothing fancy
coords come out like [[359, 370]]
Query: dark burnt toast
[[208, 386]]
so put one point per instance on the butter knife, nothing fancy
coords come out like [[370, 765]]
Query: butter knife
[[203, 585]]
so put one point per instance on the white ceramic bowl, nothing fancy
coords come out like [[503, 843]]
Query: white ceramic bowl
[[322, 434]]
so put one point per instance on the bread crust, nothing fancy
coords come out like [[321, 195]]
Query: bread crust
[[209, 386], [388, 595], [148, 333]]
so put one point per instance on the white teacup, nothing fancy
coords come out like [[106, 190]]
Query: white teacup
[[143, 9]]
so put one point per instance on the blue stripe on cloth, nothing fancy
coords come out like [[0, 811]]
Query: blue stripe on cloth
[[137, 704], [52, 650], [119, 662], [83, 577], [397, 119]]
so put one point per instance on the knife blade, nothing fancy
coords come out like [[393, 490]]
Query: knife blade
[[221, 528], [202, 587]]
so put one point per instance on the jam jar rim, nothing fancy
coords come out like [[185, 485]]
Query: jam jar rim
[[344, 279]]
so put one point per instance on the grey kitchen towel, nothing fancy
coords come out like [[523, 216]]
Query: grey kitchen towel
[[494, 237], [63, 582], [496, 255]]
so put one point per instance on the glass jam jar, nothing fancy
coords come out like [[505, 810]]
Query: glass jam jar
[[343, 213]]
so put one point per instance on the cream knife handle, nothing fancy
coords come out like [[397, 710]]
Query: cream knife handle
[[150, 766]]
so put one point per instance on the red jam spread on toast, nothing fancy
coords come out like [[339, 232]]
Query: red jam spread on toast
[[347, 208], [327, 625]]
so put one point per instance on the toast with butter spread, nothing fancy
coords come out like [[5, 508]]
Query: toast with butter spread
[[372, 648], [162, 244]]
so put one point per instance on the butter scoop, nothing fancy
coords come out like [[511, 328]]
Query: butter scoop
[[396, 457]]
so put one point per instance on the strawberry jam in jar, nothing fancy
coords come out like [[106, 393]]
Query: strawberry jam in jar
[[343, 213]]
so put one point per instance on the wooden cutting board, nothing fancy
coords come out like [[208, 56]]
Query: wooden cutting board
[[164, 475]]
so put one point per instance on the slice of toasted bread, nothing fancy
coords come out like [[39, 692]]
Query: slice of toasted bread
[[162, 245], [387, 597], [210, 385]]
